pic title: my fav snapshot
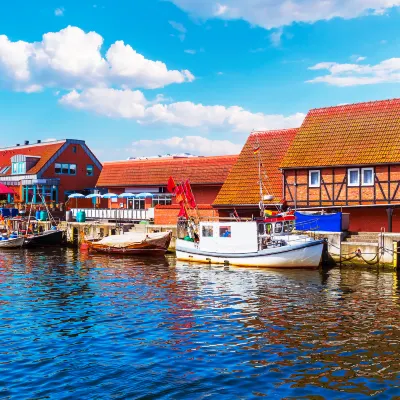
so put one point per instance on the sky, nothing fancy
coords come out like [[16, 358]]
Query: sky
[[147, 77]]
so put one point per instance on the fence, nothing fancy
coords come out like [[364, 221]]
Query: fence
[[115, 214]]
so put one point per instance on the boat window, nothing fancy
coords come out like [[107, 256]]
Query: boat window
[[291, 226], [207, 231], [268, 228], [286, 226], [261, 229], [225, 231], [278, 227]]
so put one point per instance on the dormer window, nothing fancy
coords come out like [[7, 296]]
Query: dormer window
[[19, 168]]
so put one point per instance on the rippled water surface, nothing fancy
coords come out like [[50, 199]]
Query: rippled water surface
[[78, 326]]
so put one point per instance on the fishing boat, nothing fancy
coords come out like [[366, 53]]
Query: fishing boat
[[11, 242], [264, 243], [51, 237], [151, 244]]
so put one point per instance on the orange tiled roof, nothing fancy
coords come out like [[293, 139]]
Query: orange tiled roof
[[44, 151], [242, 184], [155, 172], [355, 134]]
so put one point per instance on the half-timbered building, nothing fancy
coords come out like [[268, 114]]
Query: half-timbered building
[[348, 157]]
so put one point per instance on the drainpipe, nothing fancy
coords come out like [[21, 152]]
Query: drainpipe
[[389, 212]]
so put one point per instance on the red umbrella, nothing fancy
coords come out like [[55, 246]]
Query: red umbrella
[[5, 189]]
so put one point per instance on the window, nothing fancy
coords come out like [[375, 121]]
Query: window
[[74, 149], [268, 228], [162, 200], [89, 170], [314, 178], [65, 169], [4, 170], [278, 227], [286, 227], [162, 190], [225, 231], [207, 231], [19, 167], [353, 177], [367, 176], [261, 228], [139, 204]]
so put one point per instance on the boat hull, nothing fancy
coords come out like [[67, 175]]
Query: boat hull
[[49, 238], [12, 243], [305, 255], [147, 247]]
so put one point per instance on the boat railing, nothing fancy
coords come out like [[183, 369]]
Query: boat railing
[[115, 214]]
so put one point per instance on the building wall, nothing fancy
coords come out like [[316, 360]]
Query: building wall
[[372, 219], [77, 182], [334, 191], [168, 215]]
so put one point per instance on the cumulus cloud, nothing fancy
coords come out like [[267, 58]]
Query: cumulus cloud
[[197, 145], [72, 59], [276, 13], [388, 71], [133, 105]]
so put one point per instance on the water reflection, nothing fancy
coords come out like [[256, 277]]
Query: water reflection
[[93, 326]]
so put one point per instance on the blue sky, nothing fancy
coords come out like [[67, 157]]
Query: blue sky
[[151, 77]]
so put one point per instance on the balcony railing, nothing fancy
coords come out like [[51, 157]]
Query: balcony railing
[[116, 214]]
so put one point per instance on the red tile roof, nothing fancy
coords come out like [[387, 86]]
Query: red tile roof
[[355, 134], [155, 172], [43, 150], [242, 184]]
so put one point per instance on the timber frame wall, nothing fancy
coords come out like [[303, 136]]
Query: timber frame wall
[[335, 191]]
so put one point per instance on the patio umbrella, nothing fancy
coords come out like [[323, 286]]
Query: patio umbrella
[[127, 196], [144, 195], [109, 196], [76, 196], [93, 196]]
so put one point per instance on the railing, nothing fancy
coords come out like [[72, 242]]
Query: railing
[[116, 214]]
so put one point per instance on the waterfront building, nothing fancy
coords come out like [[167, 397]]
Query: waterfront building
[[348, 158], [48, 170], [150, 175], [241, 191]]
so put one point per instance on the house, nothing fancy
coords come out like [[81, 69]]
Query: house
[[348, 158], [241, 190], [48, 170], [150, 175]]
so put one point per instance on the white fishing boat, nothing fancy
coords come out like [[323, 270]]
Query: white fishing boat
[[11, 243], [266, 243]]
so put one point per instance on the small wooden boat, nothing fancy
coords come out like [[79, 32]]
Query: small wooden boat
[[46, 238], [151, 244], [12, 243]]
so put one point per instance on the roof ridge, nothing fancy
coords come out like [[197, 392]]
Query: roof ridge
[[370, 103], [254, 133], [25, 146], [169, 159]]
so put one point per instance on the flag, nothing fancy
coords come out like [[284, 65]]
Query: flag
[[256, 149], [179, 194], [182, 211], [171, 185], [189, 194]]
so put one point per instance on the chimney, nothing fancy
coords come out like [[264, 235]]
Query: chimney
[[39, 141], [26, 142], [18, 144]]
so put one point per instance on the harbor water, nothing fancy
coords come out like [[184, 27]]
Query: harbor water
[[79, 326]]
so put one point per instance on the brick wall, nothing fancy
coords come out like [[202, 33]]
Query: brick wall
[[168, 215], [372, 219]]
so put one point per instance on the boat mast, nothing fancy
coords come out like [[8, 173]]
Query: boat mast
[[261, 205]]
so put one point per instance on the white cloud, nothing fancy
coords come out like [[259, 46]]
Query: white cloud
[[197, 145], [179, 28], [59, 12], [71, 59], [356, 58], [387, 71], [133, 105], [276, 13], [276, 37], [189, 51]]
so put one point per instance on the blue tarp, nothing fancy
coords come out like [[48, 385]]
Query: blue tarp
[[326, 222]]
